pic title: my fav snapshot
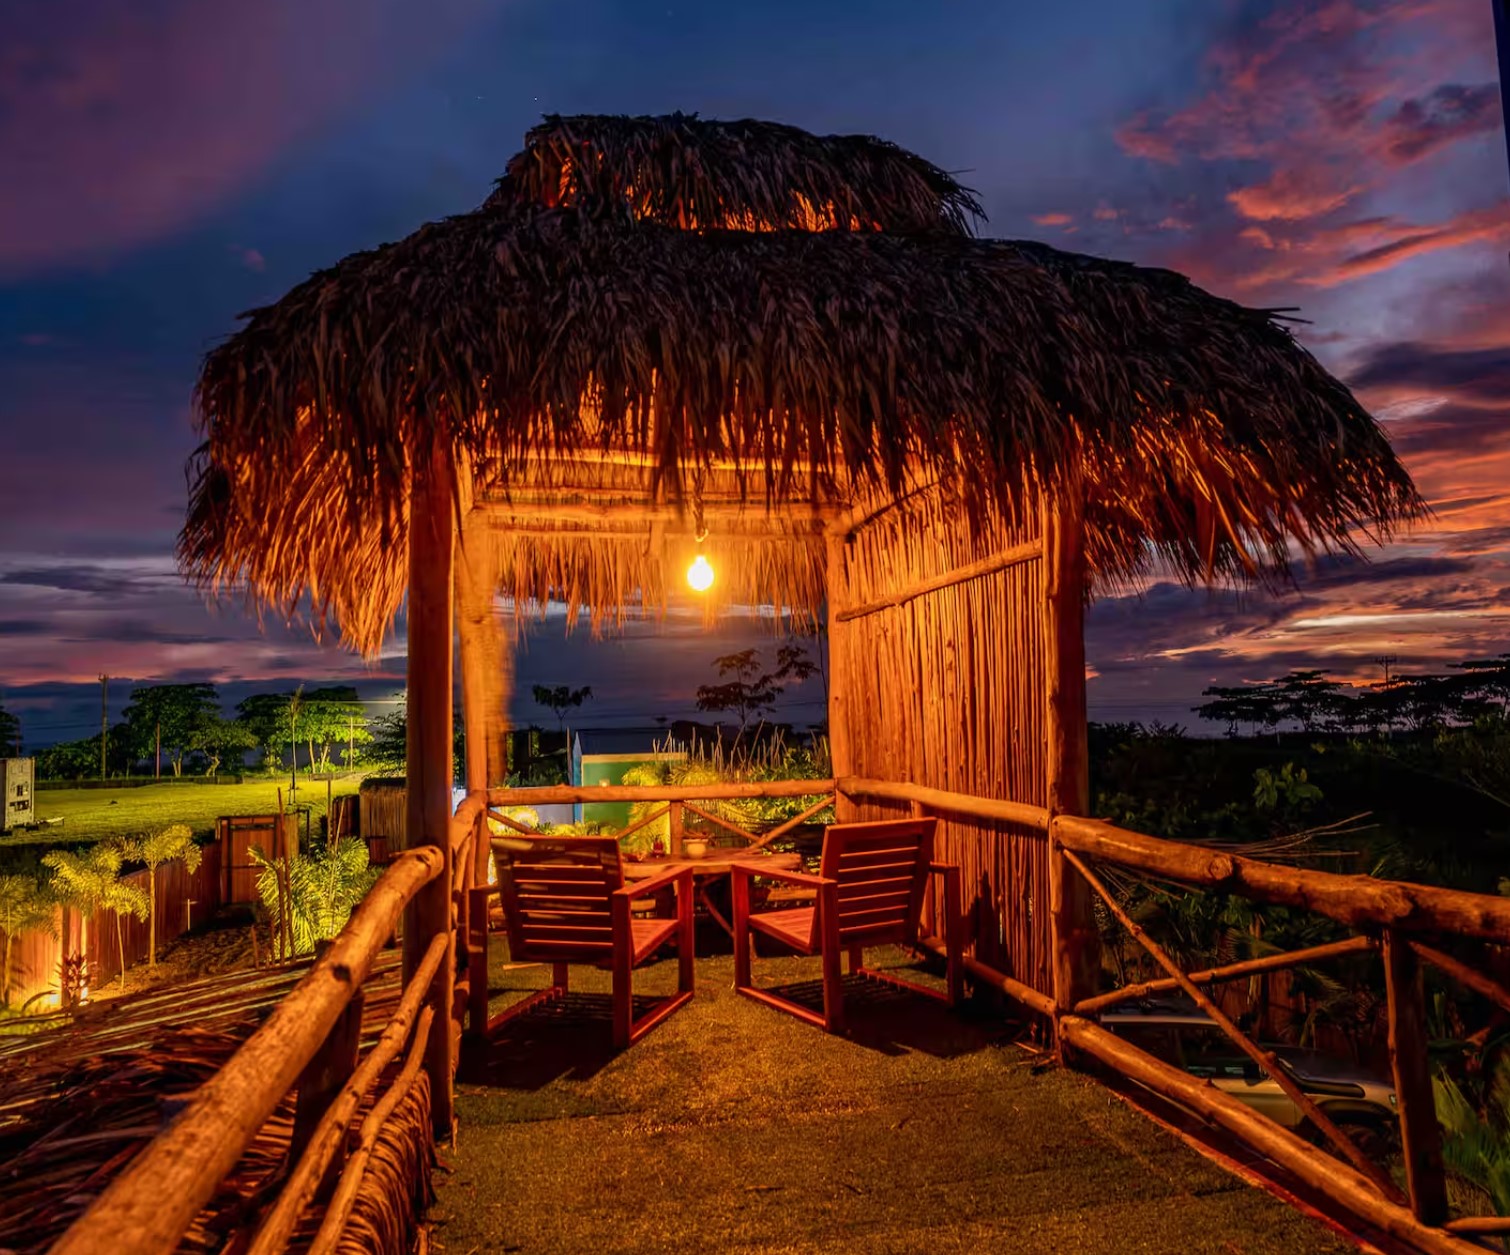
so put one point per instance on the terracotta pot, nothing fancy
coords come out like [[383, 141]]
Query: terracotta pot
[[695, 847]]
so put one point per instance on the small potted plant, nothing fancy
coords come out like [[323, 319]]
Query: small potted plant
[[694, 845]]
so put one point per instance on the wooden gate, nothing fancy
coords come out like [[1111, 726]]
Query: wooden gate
[[237, 834]]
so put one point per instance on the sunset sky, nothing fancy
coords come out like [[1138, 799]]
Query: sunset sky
[[170, 163]]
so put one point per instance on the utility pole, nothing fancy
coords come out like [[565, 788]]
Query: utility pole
[[1386, 661], [104, 719], [351, 739], [159, 775]]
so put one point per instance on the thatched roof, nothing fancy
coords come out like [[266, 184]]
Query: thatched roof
[[572, 322]]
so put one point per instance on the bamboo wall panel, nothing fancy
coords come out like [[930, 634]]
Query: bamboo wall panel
[[948, 691]]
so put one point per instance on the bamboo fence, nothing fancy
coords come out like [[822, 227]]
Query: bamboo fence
[[941, 631]]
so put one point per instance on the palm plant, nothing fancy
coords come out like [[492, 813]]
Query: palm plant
[[25, 906], [176, 841], [1476, 1139], [92, 881], [319, 890]]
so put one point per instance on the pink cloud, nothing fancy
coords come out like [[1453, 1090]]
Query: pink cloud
[[1053, 219], [119, 123], [1292, 194]]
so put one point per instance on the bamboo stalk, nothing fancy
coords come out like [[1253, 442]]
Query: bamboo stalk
[[1230, 971], [1265, 1059]]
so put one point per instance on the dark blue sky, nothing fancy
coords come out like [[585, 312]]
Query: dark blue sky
[[171, 163]]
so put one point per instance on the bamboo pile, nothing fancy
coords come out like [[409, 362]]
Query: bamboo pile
[[942, 627]]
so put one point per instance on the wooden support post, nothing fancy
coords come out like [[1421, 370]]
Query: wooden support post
[[841, 757], [676, 827], [487, 671], [1072, 919], [1420, 1133], [428, 817]]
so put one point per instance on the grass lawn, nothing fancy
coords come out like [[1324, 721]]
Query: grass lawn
[[98, 814]]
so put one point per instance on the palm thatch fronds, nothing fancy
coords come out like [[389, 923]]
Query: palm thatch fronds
[[686, 172], [808, 367]]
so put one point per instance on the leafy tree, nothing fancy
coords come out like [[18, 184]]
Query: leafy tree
[[265, 717], [560, 698], [331, 716], [10, 734], [388, 743], [154, 849], [218, 738], [174, 710], [324, 886], [1309, 699], [25, 907], [92, 881], [79, 760], [747, 689]]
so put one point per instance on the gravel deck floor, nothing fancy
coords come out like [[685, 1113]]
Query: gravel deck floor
[[733, 1127]]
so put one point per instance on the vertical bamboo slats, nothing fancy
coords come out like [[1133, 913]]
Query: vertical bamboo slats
[[939, 638]]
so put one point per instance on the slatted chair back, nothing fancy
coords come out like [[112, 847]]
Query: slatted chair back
[[881, 870], [556, 895]]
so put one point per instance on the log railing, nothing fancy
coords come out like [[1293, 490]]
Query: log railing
[[309, 1046], [310, 1043]]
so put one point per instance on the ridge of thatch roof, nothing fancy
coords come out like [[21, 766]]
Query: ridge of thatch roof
[[690, 173], [825, 367]]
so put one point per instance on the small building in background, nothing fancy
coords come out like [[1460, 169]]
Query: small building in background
[[20, 776], [602, 756]]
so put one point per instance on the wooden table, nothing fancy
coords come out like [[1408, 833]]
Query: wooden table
[[707, 870]]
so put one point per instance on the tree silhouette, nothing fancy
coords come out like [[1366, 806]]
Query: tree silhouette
[[748, 690], [560, 698]]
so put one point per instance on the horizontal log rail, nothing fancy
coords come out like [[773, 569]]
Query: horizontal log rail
[[1357, 901], [986, 566], [1228, 972], [1347, 1188], [1263, 1059], [151, 1204], [942, 800], [556, 794]]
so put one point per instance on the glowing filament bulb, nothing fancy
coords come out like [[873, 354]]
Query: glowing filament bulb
[[700, 574]]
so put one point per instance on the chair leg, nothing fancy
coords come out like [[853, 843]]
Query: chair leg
[[954, 958], [739, 883], [623, 977], [686, 935], [559, 976], [833, 980], [856, 959]]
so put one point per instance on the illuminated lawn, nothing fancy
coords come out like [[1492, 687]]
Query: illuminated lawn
[[102, 813]]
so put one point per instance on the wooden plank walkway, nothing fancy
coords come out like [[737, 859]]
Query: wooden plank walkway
[[733, 1127]]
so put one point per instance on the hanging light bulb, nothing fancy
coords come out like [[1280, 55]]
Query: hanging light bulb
[[700, 574]]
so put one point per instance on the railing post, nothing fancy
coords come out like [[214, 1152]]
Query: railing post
[[428, 814], [1420, 1134], [677, 822], [324, 1077], [1073, 937]]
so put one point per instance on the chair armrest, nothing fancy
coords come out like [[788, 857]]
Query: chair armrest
[[771, 873], [644, 888], [943, 869]]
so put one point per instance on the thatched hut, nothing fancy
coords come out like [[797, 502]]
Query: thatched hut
[[790, 353]]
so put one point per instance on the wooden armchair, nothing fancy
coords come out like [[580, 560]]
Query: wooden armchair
[[870, 887], [565, 901]]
